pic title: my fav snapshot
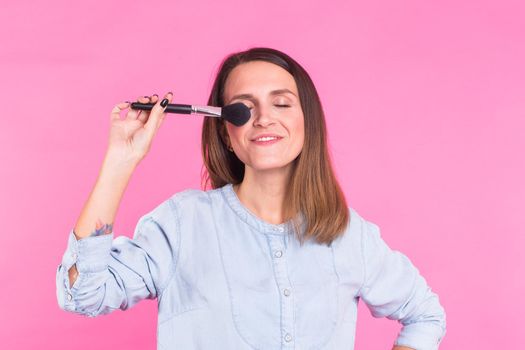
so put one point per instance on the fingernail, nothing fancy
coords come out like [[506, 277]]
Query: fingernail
[[126, 101], [155, 95], [164, 103], [170, 92]]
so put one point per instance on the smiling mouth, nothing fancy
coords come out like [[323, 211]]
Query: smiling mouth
[[266, 141]]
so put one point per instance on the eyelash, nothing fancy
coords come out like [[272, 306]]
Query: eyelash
[[282, 106]]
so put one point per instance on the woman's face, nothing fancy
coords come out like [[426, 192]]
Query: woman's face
[[271, 94]]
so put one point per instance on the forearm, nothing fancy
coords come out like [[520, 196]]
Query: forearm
[[402, 348], [101, 207], [99, 211]]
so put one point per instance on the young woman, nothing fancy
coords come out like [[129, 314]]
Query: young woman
[[271, 257]]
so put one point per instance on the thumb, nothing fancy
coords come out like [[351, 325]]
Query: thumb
[[115, 112]]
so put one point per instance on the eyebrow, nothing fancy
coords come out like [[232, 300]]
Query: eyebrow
[[274, 92]]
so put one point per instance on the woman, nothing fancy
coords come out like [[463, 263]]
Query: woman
[[271, 257]]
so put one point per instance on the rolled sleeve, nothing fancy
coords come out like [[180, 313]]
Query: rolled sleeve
[[394, 288], [116, 273], [91, 255]]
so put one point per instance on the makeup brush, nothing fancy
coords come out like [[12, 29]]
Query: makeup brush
[[237, 113]]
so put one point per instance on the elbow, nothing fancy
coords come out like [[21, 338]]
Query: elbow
[[423, 333], [436, 314], [424, 321], [442, 322], [430, 312], [64, 293], [85, 298], [429, 327]]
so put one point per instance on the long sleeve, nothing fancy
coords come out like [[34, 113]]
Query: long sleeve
[[118, 273], [394, 288]]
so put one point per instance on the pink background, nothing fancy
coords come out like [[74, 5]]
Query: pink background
[[425, 111]]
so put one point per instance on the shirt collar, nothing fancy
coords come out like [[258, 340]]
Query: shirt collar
[[250, 218]]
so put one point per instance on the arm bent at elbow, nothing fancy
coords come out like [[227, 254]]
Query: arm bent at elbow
[[118, 273], [394, 288]]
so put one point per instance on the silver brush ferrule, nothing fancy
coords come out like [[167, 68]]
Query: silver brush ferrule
[[206, 110]]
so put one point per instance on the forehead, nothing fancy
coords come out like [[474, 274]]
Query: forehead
[[258, 77]]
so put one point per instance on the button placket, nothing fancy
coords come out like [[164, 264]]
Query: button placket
[[283, 283]]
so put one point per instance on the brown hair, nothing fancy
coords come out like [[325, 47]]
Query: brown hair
[[313, 188]]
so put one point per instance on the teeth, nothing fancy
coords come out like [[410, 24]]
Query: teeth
[[266, 138]]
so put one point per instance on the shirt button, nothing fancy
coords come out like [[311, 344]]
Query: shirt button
[[278, 253], [281, 229], [74, 255], [288, 337], [69, 297], [286, 292]]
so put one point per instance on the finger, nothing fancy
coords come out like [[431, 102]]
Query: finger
[[157, 115], [115, 112], [143, 116], [135, 113]]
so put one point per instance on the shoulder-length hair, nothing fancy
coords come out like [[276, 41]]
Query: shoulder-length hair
[[313, 190]]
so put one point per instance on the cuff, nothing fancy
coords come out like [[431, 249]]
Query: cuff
[[421, 335], [90, 254]]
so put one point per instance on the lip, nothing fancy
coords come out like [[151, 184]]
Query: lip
[[266, 135], [267, 143]]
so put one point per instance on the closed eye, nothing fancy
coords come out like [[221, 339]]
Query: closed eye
[[282, 106]]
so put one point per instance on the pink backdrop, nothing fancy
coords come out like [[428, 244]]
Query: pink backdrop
[[425, 109]]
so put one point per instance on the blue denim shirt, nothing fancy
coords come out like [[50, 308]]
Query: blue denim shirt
[[226, 279]]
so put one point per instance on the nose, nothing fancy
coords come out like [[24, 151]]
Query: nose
[[263, 116]]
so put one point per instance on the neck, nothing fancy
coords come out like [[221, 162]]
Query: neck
[[262, 192]]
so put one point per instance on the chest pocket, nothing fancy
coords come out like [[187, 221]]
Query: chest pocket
[[274, 298]]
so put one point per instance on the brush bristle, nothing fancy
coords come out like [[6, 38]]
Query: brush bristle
[[237, 113]]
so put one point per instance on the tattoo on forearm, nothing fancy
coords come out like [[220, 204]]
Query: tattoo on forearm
[[101, 228]]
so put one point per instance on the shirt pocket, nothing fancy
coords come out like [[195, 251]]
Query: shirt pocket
[[253, 292], [183, 294], [187, 329]]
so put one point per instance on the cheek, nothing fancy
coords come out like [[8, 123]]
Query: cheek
[[298, 128], [236, 134], [299, 135]]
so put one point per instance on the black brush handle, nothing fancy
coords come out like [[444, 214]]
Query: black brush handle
[[170, 108]]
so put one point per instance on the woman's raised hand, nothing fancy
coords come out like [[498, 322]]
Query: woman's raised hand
[[130, 138]]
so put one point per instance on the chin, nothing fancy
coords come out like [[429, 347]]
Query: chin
[[264, 166]]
